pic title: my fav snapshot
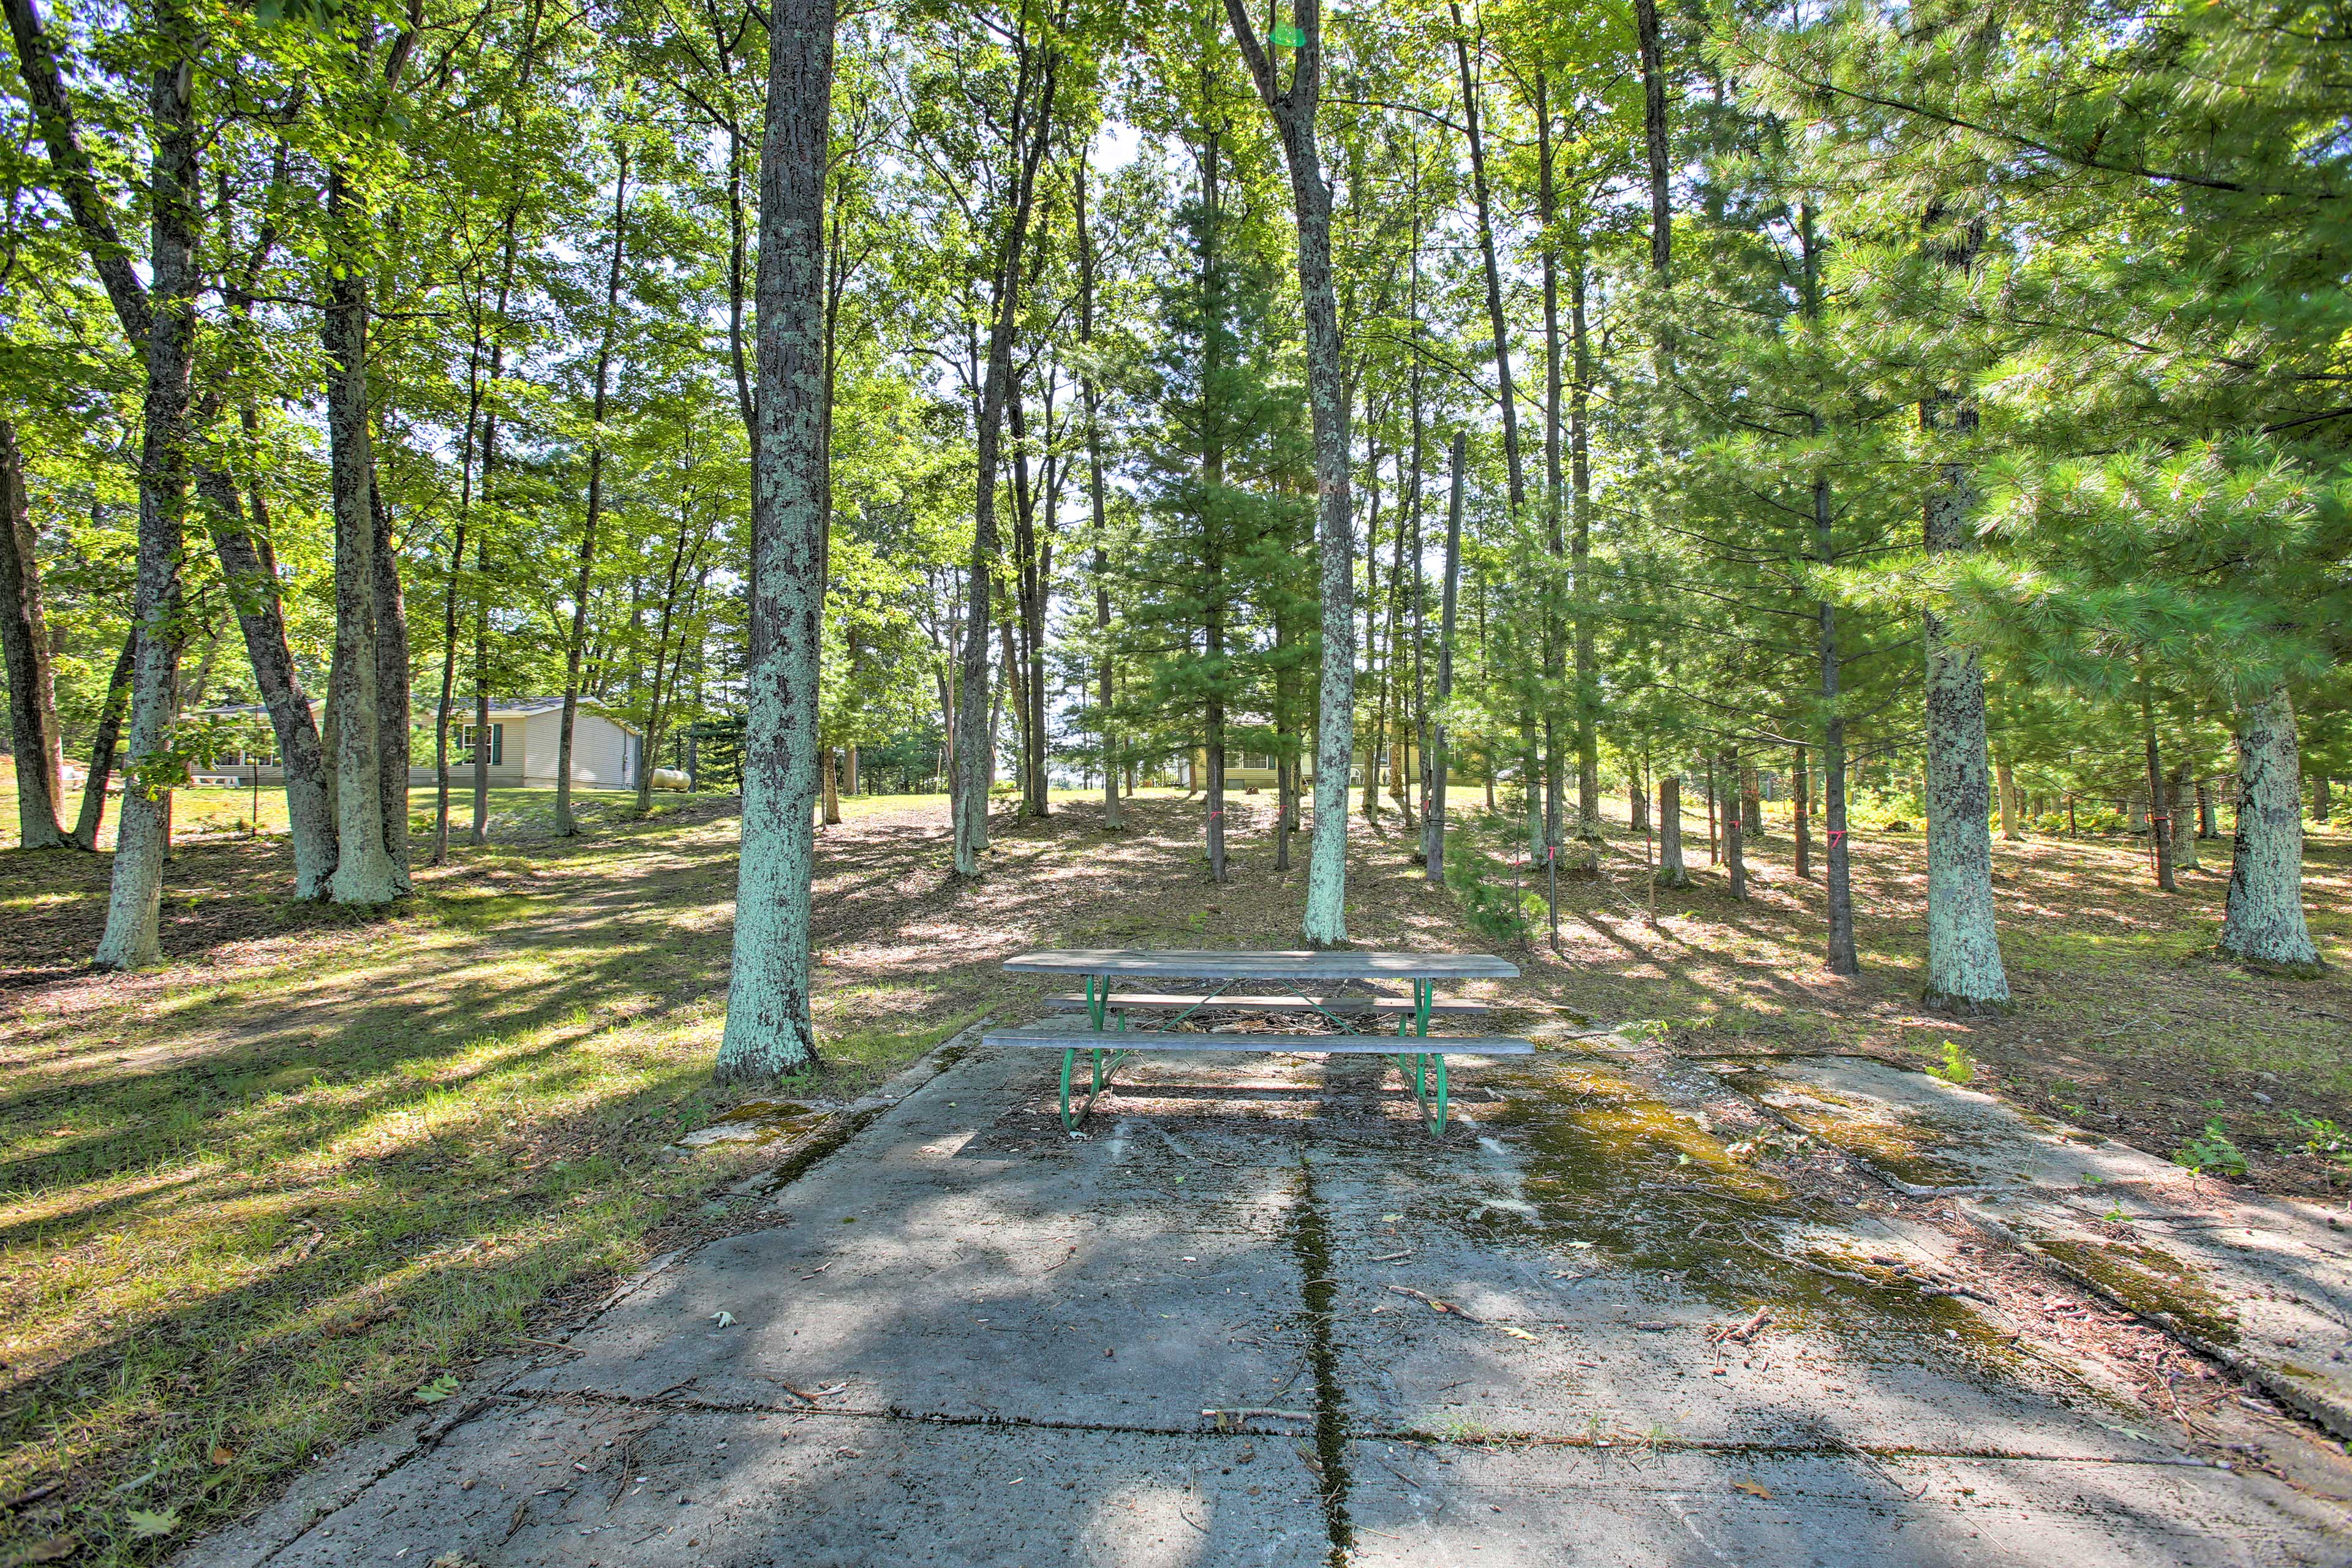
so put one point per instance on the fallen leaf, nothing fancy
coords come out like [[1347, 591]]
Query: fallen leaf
[[724, 1320], [146, 1525], [1753, 1488], [1514, 1333], [55, 1549], [435, 1392], [221, 1455]]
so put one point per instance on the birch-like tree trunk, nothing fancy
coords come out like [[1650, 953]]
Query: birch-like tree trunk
[[132, 938], [157, 319], [25, 639], [768, 1030], [1292, 108], [2263, 920], [364, 873]]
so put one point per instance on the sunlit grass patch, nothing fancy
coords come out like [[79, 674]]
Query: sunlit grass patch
[[243, 1219]]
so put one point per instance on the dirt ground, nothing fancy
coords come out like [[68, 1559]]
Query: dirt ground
[[2124, 1022]]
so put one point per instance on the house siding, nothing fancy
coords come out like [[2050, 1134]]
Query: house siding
[[598, 748]]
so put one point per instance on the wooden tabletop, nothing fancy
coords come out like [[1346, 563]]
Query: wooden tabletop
[[1238, 964]]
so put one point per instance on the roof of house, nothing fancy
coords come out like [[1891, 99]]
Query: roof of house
[[500, 708]]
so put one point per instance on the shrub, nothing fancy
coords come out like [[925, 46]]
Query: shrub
[[1957, 1068], [1492, 906], [2211, 1151]]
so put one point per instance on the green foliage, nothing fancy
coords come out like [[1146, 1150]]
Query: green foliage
[[1493, 907], [2323, 1138], [1958, 1065], [2211, 1151]]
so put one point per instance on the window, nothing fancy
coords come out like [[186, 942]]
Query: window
[[466, 743]]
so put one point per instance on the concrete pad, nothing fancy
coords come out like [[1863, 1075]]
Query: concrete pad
[[1113, 1280], [944, 1286], [1588, 1506], [1586, 1271], [614, 1488], [2265, 1282], [1926, 1133]]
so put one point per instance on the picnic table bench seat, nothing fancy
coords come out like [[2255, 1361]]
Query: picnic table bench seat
[[1135, 1001], [1418, 1055], [1265, 1044]]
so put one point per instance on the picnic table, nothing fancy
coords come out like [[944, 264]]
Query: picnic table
[[1333, 984]]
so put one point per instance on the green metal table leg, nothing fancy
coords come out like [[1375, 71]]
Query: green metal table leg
[[1069, 1060]]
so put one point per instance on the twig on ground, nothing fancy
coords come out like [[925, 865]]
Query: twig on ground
[[1434, 1304]]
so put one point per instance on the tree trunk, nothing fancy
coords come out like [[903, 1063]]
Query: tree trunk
[[2159, 816], [250, 569], [391, 614], [364, 874], [1672, 872], [2263, 920], [1734, 831], [1751, 800], [1713, 826], [768, 1030], [1654, 125], [1964, 966], [2322, 808], [2205, 810], [1434, 822], [103, 743], [1089, 398], [584, 575], [2182, 803], [975, 742], [131, 938], [1838, 883], [24, 640], [2005, 782], [1293, 111], [1801, 809]]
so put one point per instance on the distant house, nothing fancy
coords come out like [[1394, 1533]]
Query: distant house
[[1249, 771], [607, 754]]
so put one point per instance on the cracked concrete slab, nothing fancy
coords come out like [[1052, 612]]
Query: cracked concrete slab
[[903, 1359], [2264, 1282], [1584, 1506]]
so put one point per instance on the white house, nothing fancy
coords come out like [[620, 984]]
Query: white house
[[605, 752]]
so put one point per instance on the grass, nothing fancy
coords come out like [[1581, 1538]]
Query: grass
[[248, 1206], [252, 1202]]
